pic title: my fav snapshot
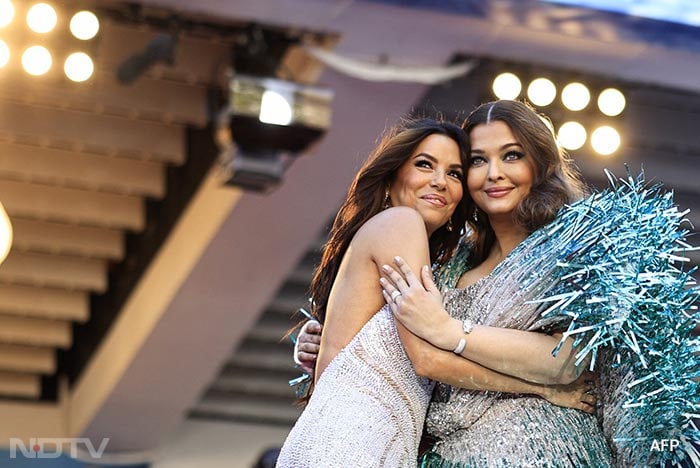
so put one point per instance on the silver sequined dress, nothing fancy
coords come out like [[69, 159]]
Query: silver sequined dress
[[491, 429], [367, 409]]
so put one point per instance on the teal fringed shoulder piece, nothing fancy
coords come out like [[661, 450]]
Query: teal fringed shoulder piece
[[629, 298]]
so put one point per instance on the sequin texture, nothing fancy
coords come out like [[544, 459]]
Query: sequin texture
[[368, 407]]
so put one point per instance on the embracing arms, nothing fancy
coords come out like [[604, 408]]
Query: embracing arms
[[523, 354]]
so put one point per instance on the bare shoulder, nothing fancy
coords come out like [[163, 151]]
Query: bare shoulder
[[398, 219], [394, 231]]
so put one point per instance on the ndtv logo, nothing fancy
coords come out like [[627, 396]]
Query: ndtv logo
[[54, 447]]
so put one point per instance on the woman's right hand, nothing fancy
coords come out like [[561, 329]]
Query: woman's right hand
[[307, 346], [580, 394]]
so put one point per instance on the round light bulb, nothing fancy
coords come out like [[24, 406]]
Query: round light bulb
[[572, 135], [41, 18], [5, 234], [7, 12], [275, 109], [78, 66], [4, 53], [36, 60], [575, 96], [541, 92], [611, 102], [605, 140], [507, 86], [84, 25]]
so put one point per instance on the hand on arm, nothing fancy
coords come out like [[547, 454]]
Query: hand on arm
[[307, 346], [522, 354]]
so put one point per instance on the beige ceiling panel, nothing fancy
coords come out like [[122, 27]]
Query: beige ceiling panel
[[198, 60], [72, 205], [146, 98], [49, 303], [68, 239], [56, 271], [20, 385], [36, 332], [76, 130], [27, 359], [81, 170]]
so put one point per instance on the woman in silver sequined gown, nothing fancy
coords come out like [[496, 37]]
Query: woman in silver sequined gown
[[368, 406], [511, 177]]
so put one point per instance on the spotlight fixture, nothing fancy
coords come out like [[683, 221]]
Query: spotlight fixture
[[611, 102], [4, 53], [572, 135], [42, 18], [36, 60], [84, 25], [5, 234], [507, 86], [575, 96], [78, 66], [541, 92], [7, 12], [605, 140], [269, 122]]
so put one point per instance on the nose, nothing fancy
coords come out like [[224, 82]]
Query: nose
[[495, 170], [439, 179]]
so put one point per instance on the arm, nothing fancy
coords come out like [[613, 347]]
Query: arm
[[522, 354], [466, 374]]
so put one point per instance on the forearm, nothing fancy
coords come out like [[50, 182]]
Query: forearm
[[447, 367], [522, 354]]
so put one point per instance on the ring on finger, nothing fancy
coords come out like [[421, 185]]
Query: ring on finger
[[395, 294]]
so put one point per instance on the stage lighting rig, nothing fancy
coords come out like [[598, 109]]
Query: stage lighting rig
[[268, 122]]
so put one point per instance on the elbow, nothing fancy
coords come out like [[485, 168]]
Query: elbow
[[568, 375]]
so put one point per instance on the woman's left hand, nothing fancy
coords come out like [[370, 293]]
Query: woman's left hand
[[415, 302]]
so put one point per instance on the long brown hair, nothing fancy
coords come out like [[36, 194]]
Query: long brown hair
[[367, 195], [557, 180]]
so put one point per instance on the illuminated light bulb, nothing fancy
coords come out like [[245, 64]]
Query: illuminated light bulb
[[41, 18], [84, 25], [605, 140], [7, 12], [36, 60], [78, 66], [4, 53], [541, 92], [275, 109], [572, 135], [507, 86], [575, 96], [611, 102], [5, 234]]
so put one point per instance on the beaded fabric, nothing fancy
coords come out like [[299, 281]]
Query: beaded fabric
[[609, 272], [504, 430], [367, 409]]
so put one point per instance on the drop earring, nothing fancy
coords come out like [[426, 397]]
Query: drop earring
[[475, 216], [387, 199], [449, 225]]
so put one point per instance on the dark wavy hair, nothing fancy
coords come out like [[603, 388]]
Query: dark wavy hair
[[557, 180], [366, 198]]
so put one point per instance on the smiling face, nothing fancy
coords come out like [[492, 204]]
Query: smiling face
[[430, 181], [500, 173]]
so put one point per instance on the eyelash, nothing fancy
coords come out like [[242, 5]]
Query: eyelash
[[456, 174], [479, 159]]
